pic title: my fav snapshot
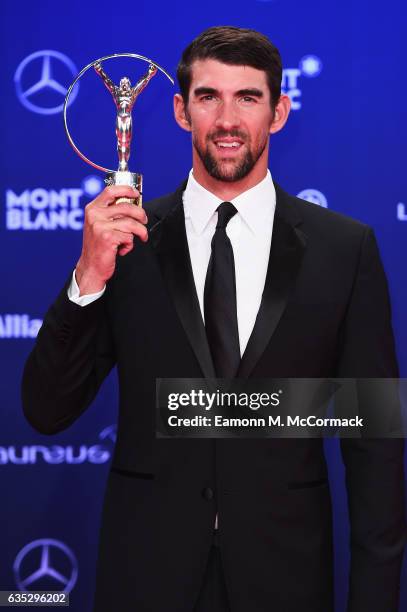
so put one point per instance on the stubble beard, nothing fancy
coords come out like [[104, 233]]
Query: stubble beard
[[229, 171]]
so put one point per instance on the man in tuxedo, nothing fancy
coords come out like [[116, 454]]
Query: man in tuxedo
[[230, 277]]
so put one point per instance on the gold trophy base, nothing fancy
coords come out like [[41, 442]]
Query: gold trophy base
[[133, 179]]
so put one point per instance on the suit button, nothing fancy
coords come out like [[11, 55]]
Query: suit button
[[207, 493]]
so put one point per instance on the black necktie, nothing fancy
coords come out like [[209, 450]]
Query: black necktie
[[220, 299]]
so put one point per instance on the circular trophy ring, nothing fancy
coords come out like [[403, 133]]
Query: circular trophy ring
[[72, 85]]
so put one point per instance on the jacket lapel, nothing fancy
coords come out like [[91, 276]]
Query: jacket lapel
[[169, 241], [288, 244]]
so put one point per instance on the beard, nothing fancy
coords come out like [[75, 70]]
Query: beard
[[229, 171]]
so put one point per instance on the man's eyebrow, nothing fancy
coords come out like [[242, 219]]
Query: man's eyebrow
[[199, 91], [248, 91]]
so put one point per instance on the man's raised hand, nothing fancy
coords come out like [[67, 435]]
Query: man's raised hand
[[108, 230]]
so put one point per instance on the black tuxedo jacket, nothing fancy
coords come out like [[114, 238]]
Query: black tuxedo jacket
[[324, 312]]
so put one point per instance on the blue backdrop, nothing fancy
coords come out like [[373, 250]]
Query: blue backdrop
[[343, 145]]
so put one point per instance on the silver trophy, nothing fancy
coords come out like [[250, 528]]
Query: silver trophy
[[124, 96]]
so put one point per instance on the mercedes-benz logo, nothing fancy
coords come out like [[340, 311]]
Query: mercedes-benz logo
[[41, 65], [45, 563]]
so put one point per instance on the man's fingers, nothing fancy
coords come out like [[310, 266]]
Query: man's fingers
[[95, 213], [126, 210], [128, 226], [109, 194], [123, 241], [125, 248]]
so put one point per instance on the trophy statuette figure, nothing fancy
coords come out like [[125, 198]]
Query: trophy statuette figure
[[124, 96]]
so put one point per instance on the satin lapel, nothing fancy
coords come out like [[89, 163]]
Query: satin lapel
[[169, 241], [288, 244]]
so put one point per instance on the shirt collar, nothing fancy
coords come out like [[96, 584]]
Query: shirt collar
[[255, 206]]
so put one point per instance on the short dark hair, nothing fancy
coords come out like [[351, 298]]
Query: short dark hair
[[235, 46]]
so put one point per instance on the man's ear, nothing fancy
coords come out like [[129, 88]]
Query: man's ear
[[181, 113], [281, 112]]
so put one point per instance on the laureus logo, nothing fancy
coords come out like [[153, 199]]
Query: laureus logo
[[401, 212], [314, 196], [55, 454]]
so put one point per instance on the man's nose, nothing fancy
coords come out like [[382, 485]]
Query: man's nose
[[228, 116]]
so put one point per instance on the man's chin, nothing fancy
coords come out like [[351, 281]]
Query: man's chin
[[227, 177], [228, 171]]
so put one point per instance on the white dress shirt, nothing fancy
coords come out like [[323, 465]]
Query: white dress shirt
[[250, 233]]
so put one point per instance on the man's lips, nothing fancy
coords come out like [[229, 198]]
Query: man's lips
[[228, 145]]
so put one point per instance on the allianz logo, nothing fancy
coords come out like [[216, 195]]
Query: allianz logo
[[18, 326], [54, 455]]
